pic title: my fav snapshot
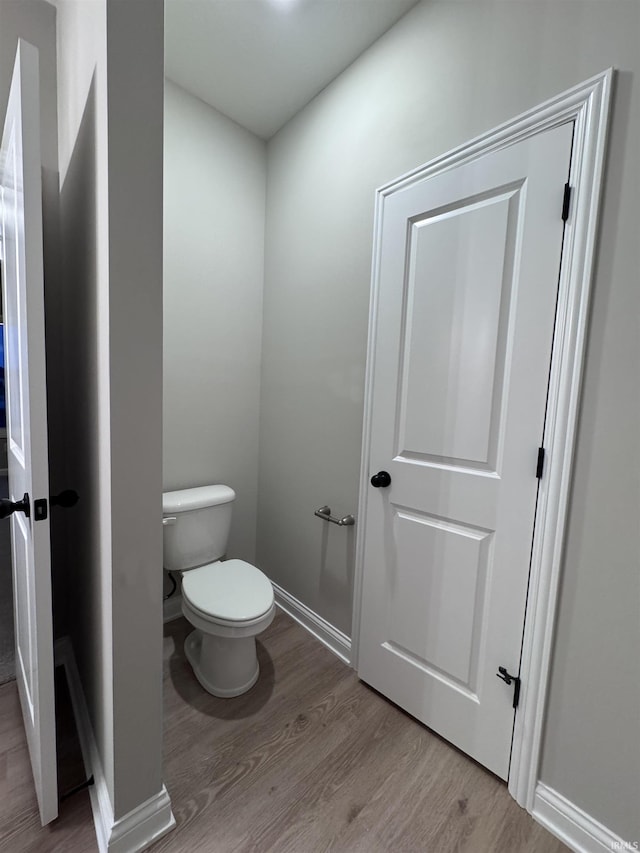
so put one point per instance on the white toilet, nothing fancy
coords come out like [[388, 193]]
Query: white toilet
[[228, 602]]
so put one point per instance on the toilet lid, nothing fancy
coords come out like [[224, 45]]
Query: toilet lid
[[232, 590]]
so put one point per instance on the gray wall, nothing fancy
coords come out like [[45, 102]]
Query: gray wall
[[135, 115], [445, 73], [214, 205], [82, 113], [110, 149]]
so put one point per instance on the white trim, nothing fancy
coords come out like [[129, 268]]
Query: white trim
[[574, 827], [330, 636], [98, 792], [587, 105], [363, 495], [138, 828]]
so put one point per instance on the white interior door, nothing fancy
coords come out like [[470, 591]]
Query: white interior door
[[25, 372], [468, 272]]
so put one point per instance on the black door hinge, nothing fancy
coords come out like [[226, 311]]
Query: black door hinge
[[566, 202], [540, 465], [510, 679]]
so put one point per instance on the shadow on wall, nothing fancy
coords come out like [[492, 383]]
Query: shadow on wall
[[336, 568], [77, 605]]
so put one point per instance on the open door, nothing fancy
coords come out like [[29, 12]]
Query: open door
[[27, 449]]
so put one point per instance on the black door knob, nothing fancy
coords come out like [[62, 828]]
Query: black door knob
[[381, 480], [8, 507]]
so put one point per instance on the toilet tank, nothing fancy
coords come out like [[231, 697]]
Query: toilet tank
[[195, 526]]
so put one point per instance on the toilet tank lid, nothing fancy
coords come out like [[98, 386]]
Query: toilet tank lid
[[183, 500]]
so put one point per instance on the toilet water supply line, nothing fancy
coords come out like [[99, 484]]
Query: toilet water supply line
[[170, 519], [173, 588]]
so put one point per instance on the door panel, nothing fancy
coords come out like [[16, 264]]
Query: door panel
[[27, 450], [434, 614], [456, 324], [469, 263]]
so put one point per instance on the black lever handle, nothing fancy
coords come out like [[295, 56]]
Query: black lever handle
[[381, 480], [8, 507], [66, 499]]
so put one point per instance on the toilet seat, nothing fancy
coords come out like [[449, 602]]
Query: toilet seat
[[229, 593]]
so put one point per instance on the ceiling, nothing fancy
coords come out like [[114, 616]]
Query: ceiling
[[260, 61]]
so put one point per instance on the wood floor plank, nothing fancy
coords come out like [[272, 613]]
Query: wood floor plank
[[244, 765], [20, 829], [334, 793], [313, 760], [309, 760]]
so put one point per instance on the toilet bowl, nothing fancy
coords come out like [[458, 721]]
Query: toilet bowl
[[228, 602]]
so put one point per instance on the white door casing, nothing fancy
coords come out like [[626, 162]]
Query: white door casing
[[23, 294], [587, 107]]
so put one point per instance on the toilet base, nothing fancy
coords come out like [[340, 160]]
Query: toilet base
[[224, 666]]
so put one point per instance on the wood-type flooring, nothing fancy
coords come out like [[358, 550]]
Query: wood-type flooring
[[309, 760]]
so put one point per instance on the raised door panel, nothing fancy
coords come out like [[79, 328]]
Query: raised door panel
[[436, 597], [455, 317]]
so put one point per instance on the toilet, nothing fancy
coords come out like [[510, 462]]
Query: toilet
[[228, 602]]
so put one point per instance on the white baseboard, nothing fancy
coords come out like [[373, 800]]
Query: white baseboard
[[141, 826], [172, 608], [578, 830], [322, 630]]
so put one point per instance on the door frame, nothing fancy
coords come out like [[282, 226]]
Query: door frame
[[587, 105]]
